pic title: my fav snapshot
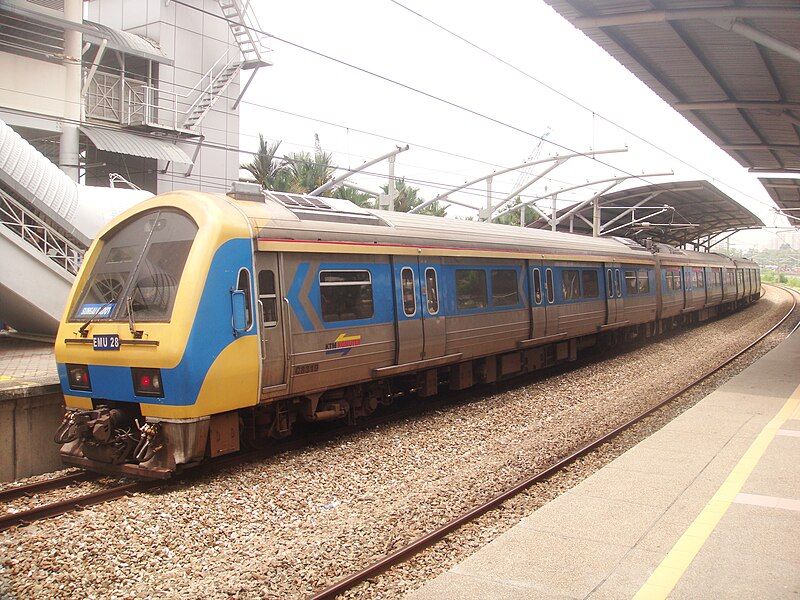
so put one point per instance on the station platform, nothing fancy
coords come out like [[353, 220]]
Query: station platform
[[31, 408], [25, 364], [707, 507]]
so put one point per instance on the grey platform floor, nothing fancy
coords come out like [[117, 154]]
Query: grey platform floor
[[26, 366], [707, 507]]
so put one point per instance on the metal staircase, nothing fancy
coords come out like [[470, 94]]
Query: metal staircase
[[213, 91], [245, 28]]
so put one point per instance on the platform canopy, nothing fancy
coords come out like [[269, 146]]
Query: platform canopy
[[732, 68], [786, 194], [682, 213]]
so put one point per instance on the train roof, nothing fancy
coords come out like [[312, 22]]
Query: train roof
[[296, 217]]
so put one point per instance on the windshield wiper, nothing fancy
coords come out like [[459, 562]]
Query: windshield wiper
[[82, 330], [137, 335]]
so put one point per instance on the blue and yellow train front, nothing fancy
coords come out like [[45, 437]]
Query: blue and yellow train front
[[158, 341]]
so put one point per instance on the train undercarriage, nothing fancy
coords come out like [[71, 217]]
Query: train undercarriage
[[113, 437]]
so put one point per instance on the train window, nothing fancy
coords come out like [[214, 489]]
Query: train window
[[630, 283], [268, 297], [471, 288], [609, 284], [409, 293], [618, 284], [505, 289], [677, 277], [570, 284], [549, 281], [345, 295], [537, 286], [243, 284], [432, 291], [669, 279], [591, 288], [643, 281], [699, 277]]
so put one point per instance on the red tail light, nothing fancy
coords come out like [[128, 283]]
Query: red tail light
[[78, 377], [147, 382]]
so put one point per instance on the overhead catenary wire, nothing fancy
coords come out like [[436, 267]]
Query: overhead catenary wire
[[448, 102], [239, 150], [566, 96]]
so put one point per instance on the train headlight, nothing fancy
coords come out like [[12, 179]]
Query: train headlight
[[147, 382], [78, 377]]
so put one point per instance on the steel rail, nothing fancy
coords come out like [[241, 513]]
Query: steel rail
[[25, 517], [45, 511], [429, 539], [30, 489]]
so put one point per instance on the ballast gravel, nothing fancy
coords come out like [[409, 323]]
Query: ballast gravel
[[287, 526]]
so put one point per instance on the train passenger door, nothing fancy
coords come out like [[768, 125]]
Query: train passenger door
[[433, 325], [408, 309], [538, 300], [270, 311], [551, 311], [614, 310]]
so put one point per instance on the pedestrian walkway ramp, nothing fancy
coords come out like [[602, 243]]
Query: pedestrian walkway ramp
[[46, 224]]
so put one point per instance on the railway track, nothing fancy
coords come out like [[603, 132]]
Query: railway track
[[423, 542], [60, 507]]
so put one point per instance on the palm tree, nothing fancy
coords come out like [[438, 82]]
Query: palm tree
[[266, 168], [407, 198], [309, 172], [345, 192], [512, 218]]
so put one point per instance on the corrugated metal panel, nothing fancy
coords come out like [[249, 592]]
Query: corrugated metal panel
[[124, 41], [122, 142], [33, 178], [699, 203], [693, 60], [786, 194]]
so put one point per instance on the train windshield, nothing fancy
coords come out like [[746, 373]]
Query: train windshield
[[138, 269]]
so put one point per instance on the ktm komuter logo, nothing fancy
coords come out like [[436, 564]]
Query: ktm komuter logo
[[342, 344]]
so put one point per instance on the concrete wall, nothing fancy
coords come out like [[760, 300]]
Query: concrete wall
[[27, 424], [38, 86]]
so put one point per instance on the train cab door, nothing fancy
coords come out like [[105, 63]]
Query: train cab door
[[433, 322], [613, 292], [270, 311], [408, 309]]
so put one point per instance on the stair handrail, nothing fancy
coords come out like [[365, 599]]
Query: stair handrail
[[36, 232], [151, 92], [253, 27], [209, 87]]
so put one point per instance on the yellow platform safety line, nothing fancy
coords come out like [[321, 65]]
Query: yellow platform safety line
[[669, 572]]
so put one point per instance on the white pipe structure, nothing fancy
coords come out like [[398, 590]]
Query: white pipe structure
[[640, 219], [575, 187], [444, 195], [68, 149], [521, 189], [326, 186], [358, 188], [759, 37]]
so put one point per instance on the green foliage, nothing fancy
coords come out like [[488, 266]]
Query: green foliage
[[353, 195], [266, 168], [300, 173], [512, 218], [308, 172], [408, 198]]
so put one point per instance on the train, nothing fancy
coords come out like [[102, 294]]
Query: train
[[202, 324]]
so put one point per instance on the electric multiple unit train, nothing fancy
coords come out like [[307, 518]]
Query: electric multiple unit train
[[200, 324]]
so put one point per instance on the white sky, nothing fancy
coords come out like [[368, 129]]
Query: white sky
[[379, 36]]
